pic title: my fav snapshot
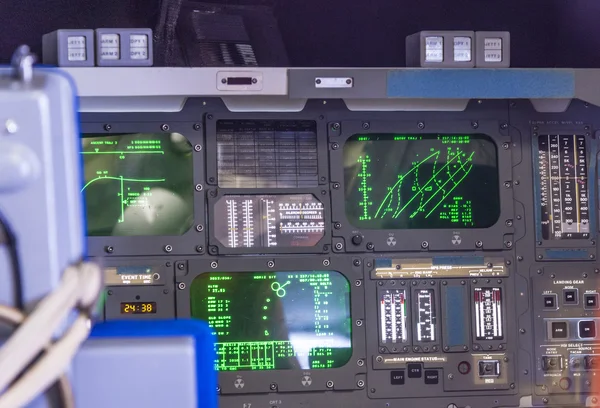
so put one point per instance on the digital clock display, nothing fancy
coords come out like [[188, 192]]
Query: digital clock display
[[138, 307]]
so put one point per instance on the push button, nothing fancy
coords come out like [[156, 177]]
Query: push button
[[415, 370], [432, 377], [559, 330], [570, 296], [397, 377], [550, 302], [587, 329], [590, 301]]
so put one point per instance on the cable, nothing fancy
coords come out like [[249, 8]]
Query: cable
[[15, 317], [11, 242], [79, 287], [53, 364]]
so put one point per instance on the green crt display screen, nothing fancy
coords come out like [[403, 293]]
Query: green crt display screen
[[429, 181], [138, 184], [276, 320]]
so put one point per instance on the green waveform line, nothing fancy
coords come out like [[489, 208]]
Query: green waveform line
[[452, 189], [402, 178], [122, 181]]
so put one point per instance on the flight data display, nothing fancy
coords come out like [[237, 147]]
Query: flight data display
[[564, 193], [276, 320], [267, 154], [426, 315], [269, 221], [393, 314], [488, 313], [138, 184], [421, 181]]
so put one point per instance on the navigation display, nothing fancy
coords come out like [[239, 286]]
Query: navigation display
[[421, 181], [267, 154], [564, 196], [138, 184], [269, 221], [276, 320]]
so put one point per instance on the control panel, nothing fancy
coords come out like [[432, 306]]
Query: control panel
[[360, 258]]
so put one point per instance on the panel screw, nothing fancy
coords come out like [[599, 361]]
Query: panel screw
[[109, 249], [474, 281], [199, 249], [522, 331], [254, 80], [450, 376], [321, 117], [588, 383], [212, 250], [360, 362], [592, 256], [512, 386], [540, 257], [209, 116], [505, 145], [585, 275], [508, 262], [273, 386], [504, 126], [525, 372], [476, 347], [214, 264], [462, 282], [519, 217], [164, 127], [110, 292], [509, 223], [552, 275], [326, 262], [508, 244], [366, 125], [506, 184], [337, 225], [356, 262], [335, 126], [335, 146], [539, 272], [339, 246], [358, 283], [197, 147], [218, 389], [379, 359], [594, 400], [359, 323], [168, 264], [465, 348], [505, 358], [107, 127], [372, 390], [519, 258], [545, 400], [370, 246], [211, 180], [596, 270], [199, 187], [329, 384], [317, 81], [446, 348], [336, 186], [199, 228], [181, 286], [224, 80], [474, 125], [168, 248], [500, 347], [196, 126], [166, 291], [421, 125], [323, 192], [424, 244], [180, 266], [444, 283], [270, 264], [360, 383], [516, 182], [478, 244]]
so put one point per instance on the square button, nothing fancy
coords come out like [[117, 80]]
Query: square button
[[432, 376], [587, 329], [559, 330], [550, 301], [590, 301], [415, 370], [397, 377], [570, 296]]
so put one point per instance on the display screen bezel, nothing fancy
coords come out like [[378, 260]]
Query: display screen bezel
[[477, 142], [289, 380], [355, 239], [188, 243]]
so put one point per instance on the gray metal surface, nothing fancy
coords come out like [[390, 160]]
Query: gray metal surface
[[40, 181], [136, 372]]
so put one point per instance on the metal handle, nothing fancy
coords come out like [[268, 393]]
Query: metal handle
[[22, 63]]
